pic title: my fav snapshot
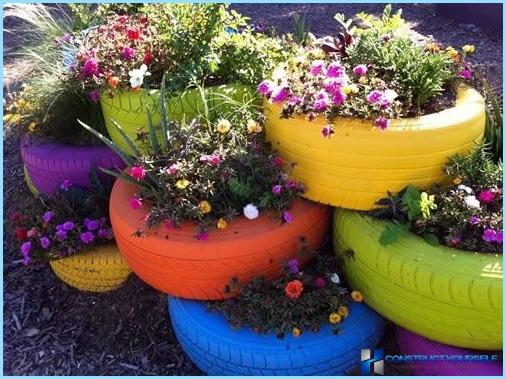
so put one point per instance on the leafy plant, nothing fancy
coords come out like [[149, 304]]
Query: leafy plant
[[208, 169], [494, 123]]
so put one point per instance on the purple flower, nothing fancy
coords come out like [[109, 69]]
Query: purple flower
[[87, 237], [211, 159], [67, 38], [291, 184], [294, 100], [287, 217], [322, 101], [92, 224], [335, 70], [466, 73], [327, 131], [374, 96], [489, 235], [61, 234], [498, 236], [487, 196], [279, 94], [66, 185], [202, 236], [25, 248], [47, 217], [276, 190], [90, 67], [128, 53], [95, 96], [319, 282], [45, 242], [265, 87], [360, 70], [102, 233], [316, 68], [381, 123], [293, 265], [473, 220], [68, 225], [339, 97]]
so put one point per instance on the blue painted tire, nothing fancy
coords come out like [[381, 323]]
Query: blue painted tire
[[217, 349]]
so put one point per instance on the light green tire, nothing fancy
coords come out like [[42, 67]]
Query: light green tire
[[129, 109], [447, 295], [29, 182]]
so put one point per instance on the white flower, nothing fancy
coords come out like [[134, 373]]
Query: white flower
[[335, 278], [390, 95], [465, 188], [279, 73], [137, 76], [250, 211], [472, 202]]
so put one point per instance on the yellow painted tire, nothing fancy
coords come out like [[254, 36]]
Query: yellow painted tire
[[29, 182], [128, 109], [447, 295], [359, 163], [100, 270]]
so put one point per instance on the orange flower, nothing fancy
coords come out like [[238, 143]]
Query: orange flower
[[357, 296], [294, 289], [113, 81]]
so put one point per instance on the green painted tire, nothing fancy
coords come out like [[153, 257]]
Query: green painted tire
[[29, 182], [129, 109], [447, 295]]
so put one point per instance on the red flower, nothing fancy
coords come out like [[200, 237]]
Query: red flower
[[15, 217], [20, 233], [148, 58], [121, 19], [294, 289], [143, 19], [133, 33], [278, 161]]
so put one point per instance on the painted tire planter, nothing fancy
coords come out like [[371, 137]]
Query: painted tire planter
[[48, 164], [176, 263], [410, 343], [128, 109], [217, 349], [99, 270], [447, 295], [359, 164]]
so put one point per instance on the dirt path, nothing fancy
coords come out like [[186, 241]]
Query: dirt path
[[51, 329]]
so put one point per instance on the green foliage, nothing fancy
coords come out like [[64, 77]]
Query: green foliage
[[393, 232], [301, 29], [87, 15], [263, 306], [494, 123]]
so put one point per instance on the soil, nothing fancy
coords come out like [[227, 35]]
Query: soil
[[52, 329]]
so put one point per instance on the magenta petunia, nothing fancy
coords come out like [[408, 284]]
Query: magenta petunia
[[374, 96], [381, 123], [280, 94], [319, 282], [339, 97], [265, 87], [322, 101], [95, 96], [90, 67], [473, 220], [287, 217], [489, 235], [128, 53], [486, 196], [276, 189], [137, 172], [335, 70], [135, 203], [327, 131], [293, 265], [317, 67], [466, 74], [360, 70]]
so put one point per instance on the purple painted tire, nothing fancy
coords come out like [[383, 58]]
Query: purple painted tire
[[410, 343], [48, 164]]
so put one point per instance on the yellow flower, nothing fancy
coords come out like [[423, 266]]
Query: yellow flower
[[334, 318], [205, 207], [32, 126], [362, 80], [357, 296], [254, 127], [343, 311], [182, 184], [21, 104], [432, 47], [223, 126], [457, 180], [296, 332], [352, 88], [452, 53], [12, 118], [468, 49], [221, 224], [317, 53]]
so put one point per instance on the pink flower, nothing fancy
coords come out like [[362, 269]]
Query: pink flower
[[489, 235], [276, 190], [172, 169], [381, 123], [128, 53], [374, 96], [265, 88], [279, 94], [133, 33], [322, 101], [316, 67], [137, 172], [327, 131], [498, 236], [339, 97], [135, 203], [95, 96], [291, 184], [121, 19], [360, 70], [335, 70], [287, 217], [31, 233], [473, 220], [202, 236], [278, 162], [319, 282], [466, 73], [66, 185], [213, 160], [90, 67], [487, 196]]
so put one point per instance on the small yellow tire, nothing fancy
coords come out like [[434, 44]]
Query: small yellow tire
[[99, 270], [358, 164], [29, 182], [447, 295]]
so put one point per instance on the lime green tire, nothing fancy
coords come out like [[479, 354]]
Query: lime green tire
[[100, 270], [29, 182], [447, 295]]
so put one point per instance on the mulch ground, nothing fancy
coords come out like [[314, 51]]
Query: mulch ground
[[52, 329]]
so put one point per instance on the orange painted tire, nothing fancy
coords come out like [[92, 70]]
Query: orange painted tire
[[175, 262]]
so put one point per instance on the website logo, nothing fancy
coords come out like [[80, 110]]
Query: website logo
[[371, 362]]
